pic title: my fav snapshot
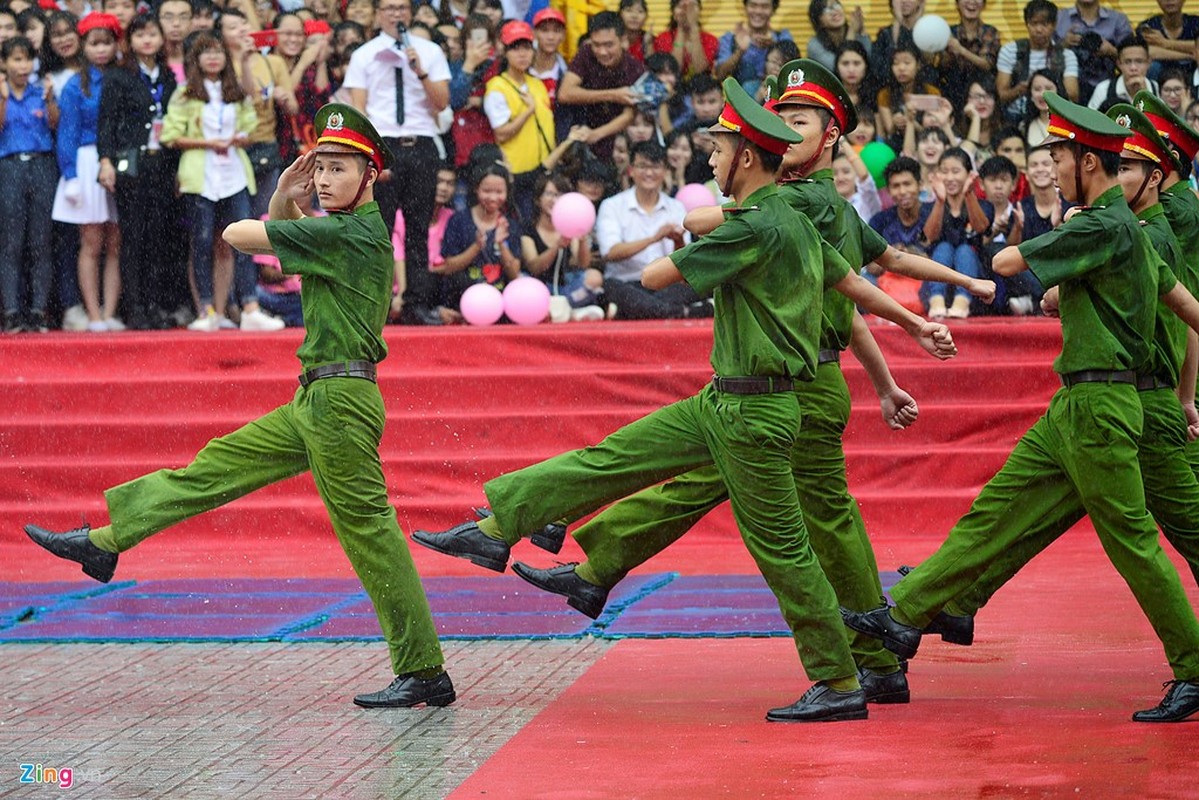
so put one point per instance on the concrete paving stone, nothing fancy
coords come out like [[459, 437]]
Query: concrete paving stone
[[243, 720]]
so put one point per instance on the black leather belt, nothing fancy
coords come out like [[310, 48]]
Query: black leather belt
[[346, 369], [404, 141], [828, 357], [1147, 383], [752, 385], [28, 156], [1099, 376]]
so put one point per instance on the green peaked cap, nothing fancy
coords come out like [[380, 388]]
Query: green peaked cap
[[1144, 141], [1070, 122], [805, 82], [344, 129], [1169, 125], [759, 125]]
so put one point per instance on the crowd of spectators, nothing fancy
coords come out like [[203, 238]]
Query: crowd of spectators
[[131, 132]]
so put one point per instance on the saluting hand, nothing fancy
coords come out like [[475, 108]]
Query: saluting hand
[[296, 182]]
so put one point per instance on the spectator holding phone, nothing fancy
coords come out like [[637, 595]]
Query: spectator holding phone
[[597, 90], [903, 83]]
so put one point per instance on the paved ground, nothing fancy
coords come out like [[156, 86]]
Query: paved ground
[[247, 720]]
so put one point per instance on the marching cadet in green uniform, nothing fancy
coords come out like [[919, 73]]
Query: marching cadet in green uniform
[[333, 425], [625, 535], [1082, 454], [1182, 212], [765, 268], [1171, 488]]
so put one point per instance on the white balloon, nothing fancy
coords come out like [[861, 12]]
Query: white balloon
[[931, 33]]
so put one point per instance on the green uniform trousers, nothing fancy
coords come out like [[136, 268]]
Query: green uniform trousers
[[629, 533], [333, 428], [1081, 456], [749, 439], [1171, 495]]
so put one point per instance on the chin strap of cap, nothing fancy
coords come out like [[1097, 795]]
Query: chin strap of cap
[[1144, 185], [727, 189]]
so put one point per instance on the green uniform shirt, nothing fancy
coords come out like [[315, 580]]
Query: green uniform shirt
[[1182, 212], [348, 265], [766, 268], [1106, 273], [1169, 332], [840, 225]]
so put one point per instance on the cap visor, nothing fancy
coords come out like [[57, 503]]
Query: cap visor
[[1052, 138]]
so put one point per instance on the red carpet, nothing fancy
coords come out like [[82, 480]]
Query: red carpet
[[84, 412], [1038, 707]]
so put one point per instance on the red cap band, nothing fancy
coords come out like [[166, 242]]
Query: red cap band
[[1067, 130], [1175, 134], [730, 119]]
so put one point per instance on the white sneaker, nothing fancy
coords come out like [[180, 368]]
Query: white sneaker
[[587, 314], [97, 326], [225, 324], [1020, 306], [259, 320], [74, 319], [114, 324], [208, 322]]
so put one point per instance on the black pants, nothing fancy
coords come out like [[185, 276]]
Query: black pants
[[152, 265], [634, 301], [412, 188]]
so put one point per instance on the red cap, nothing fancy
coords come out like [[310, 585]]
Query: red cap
[[47, 5], [548, 15], [97, 20], [731, 121], [516, 31]]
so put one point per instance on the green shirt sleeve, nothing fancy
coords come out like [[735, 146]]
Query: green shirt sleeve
[[719, 256], [1071, 250], [873, 244], [835, 265], [308, 246]]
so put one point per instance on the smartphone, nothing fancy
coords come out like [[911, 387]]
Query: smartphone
[[478, 36], [924, 102]]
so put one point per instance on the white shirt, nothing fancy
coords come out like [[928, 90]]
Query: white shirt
[[1099, 96], [622, 219], [224, 173], [373, 66]]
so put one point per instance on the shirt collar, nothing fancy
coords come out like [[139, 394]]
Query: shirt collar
[[1155, 210], [632, 200]]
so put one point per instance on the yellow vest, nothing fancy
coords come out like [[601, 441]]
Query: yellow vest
[[527, 149]]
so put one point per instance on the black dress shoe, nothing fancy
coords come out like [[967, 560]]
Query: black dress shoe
[[408, 690], [550, 538], [952, 628], [74, 545], [1180, 702], [822, 704], [580, 595], [467, 541], [902, 640], [884, 689]]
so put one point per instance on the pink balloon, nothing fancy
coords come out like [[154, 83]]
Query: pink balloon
[[481, 304], [573, 215], [527, 301], [695, 195]]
